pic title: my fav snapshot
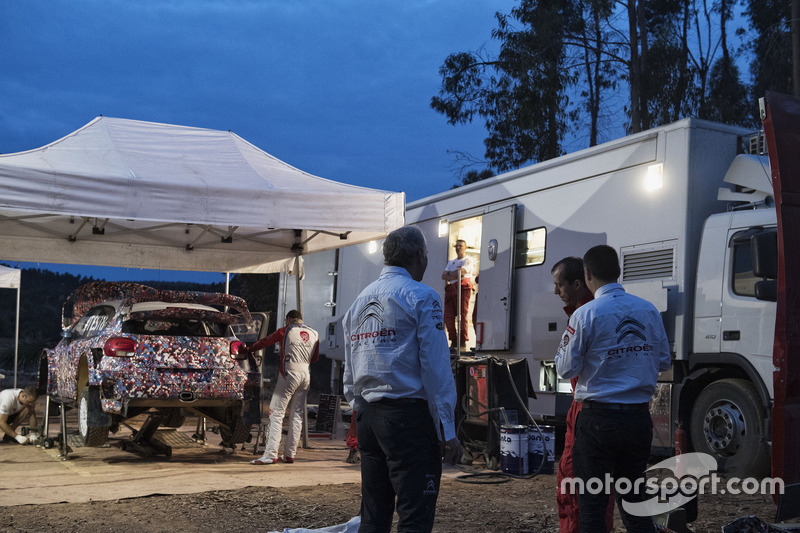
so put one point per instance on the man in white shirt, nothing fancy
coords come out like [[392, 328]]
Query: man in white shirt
[[459, 267], [16, 406], [616, 345], [397, 377]]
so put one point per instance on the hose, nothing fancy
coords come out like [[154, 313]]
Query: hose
[[495, 477]]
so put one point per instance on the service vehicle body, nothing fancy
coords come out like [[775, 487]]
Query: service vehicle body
[[687, 212]]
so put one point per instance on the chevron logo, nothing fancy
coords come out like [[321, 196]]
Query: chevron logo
[[372, 310], [629, 326]]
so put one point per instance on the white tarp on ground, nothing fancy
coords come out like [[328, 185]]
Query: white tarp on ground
[[139, 194]]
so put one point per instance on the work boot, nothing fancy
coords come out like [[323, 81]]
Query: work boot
[[353, 458]]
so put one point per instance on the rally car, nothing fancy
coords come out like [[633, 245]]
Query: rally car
[[128, 349]]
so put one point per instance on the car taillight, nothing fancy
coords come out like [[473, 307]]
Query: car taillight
[[236, 351], [119, 347]]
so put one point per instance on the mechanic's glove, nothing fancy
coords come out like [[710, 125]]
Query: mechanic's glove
[[22, 439]]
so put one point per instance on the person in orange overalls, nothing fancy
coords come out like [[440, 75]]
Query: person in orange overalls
[[570, 286]]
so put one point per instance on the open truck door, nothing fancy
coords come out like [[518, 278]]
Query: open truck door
[[496, 279], [780, 115]]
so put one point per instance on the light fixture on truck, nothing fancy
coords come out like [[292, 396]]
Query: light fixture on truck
[[444, 227], [654, 179]]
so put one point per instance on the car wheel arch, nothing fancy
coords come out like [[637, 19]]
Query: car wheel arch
[[81, 376]]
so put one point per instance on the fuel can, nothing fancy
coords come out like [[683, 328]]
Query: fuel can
[[514, 450]]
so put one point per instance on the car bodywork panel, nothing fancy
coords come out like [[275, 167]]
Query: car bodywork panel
[[182, 355]]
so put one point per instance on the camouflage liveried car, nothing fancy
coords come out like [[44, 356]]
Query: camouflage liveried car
[[128, 349]]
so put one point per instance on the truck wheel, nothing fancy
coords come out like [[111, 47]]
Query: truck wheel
[[726, 424], [88, 407]]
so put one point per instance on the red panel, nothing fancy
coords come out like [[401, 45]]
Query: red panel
[[781, 119]]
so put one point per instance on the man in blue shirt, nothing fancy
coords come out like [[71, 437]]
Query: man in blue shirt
[[616, 346], [397, 377]]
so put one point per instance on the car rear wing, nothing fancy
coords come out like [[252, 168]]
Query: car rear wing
[[87, 296]]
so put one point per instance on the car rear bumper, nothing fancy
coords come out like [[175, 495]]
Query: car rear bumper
[[157, 388]]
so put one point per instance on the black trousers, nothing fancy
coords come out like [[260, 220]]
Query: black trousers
[[401, 465], [615, 442]]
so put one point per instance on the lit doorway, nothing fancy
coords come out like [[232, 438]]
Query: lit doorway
[[468, 230]]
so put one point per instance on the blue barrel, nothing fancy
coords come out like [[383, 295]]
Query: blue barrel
[[541, 449], [514, 450]]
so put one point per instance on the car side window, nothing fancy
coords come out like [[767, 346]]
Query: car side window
[[93, 322]]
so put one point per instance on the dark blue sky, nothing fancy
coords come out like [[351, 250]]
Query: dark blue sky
[[338, 88]]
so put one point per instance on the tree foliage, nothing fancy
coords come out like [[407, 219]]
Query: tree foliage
[[567, 65]]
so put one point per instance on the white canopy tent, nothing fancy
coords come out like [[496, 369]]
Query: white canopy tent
[[138, 194], [10, 279]]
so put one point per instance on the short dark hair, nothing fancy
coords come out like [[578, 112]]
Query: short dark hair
[[403, 246], [572, 269], [32, 391], [294, 314], [602, 262]]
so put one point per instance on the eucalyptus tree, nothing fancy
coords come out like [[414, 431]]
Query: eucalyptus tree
[[560, 61]]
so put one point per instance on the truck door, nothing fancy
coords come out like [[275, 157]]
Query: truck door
[[747, 324], [495, 278]]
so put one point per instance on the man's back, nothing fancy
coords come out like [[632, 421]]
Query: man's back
[[300, 343], [383, 332], [622, 345]]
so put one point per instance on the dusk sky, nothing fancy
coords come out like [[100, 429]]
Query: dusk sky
[[338, 88]]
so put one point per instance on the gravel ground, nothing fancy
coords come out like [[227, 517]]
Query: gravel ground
[[515, 505]]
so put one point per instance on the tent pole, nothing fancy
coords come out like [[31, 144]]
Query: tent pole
[[299, 299], [16, 342], [298, 284], [227, 282]]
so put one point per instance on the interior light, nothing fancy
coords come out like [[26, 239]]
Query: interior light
[[443, 227], [654, 179], [372, 247]]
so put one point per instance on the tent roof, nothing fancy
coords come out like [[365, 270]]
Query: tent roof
[[121, 192]]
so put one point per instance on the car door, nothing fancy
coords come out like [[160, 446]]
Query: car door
[[73, 355]]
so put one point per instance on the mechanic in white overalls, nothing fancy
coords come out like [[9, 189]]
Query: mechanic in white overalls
[[299, 348]]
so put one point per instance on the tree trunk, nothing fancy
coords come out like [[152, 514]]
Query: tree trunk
[[644, 97], [796, 47], [634, 70]]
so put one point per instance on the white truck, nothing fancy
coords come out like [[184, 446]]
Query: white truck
[[687, 206]]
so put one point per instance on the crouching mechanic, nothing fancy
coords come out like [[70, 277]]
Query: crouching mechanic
[[397, 377], [17, 406], [299, 347]]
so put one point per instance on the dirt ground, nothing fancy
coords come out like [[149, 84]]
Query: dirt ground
[[472, 499], [466, 504]]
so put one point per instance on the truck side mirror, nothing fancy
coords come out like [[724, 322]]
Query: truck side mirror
[[767, 290], [764, 251]]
